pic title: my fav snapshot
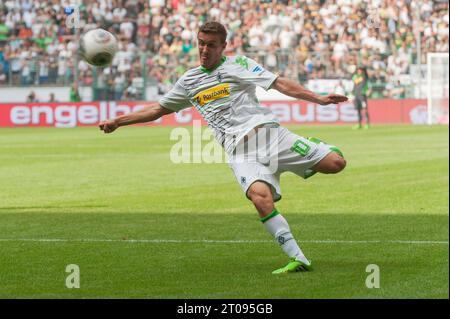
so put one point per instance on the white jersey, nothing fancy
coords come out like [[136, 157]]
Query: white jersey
[[225, 97]]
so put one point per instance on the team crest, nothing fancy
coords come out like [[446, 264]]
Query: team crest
[[281, 240]]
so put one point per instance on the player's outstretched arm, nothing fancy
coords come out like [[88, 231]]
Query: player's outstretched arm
[[293, 89], [149, 113]]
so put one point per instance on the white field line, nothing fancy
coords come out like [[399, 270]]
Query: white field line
[[210, 241]]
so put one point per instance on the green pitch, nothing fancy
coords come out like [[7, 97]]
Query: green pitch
[[139, 226]]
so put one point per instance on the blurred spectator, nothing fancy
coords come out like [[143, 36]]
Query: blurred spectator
[[2, 74], [340, 50], [339, 88], [4, 30], [31, 98], [52, 98], [43, 70], [396, 90], [74, 93], [131, 92], [26, 78]]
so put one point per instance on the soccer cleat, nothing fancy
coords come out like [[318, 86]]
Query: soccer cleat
[[293, 266], [366, 127], [357, 127]]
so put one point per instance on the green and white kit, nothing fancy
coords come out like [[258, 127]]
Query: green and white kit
[[226, 98], [285, 152]]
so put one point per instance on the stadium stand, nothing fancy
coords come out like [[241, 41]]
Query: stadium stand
[[311, 39]]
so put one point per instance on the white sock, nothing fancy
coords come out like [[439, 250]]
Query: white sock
[[278, 227]]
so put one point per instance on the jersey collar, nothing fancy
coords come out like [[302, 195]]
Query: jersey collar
[[209, 71]]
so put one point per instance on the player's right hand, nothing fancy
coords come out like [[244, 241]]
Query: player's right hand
[[108, 126]]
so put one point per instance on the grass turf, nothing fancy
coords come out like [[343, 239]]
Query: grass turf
[[77, 184]]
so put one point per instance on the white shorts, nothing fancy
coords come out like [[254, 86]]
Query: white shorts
[[284, 152]]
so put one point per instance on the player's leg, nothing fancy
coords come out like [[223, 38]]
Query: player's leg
[[358, 106], [260, 194], [332, 163], [366, 113]]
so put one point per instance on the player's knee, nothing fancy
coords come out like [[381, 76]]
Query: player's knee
[[339, 164], [336, 165], [260, 199], [332, 164], [260, 196]]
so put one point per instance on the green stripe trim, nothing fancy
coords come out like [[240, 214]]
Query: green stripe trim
[[272, 214], [315, 140], [337, 150], [209, 71]]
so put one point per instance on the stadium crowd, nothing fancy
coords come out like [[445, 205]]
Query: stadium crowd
[[304, 40]]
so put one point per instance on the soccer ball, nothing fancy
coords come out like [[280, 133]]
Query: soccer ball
[[98, 47]]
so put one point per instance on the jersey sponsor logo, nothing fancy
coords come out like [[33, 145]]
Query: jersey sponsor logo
[[357, 79], [212, 94]]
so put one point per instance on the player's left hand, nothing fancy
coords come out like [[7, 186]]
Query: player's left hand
[[333, 99]]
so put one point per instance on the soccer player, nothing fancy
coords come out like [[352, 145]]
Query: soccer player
[[222, 89], [361, 91]]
